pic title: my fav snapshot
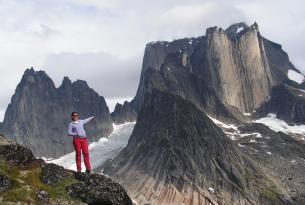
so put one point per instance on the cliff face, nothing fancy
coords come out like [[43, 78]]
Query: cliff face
[[238, 64], [237, 67], [287, 102], [177, 154], [39, 113], [123, 113]]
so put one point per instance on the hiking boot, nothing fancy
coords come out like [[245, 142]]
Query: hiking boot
[[88, 171]]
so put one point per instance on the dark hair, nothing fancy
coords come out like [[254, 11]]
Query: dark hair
[[73, 113]]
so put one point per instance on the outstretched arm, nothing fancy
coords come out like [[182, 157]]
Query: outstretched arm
[[70, 130], [87, 119]]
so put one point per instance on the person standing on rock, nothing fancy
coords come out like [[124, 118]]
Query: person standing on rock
[[80, 141]]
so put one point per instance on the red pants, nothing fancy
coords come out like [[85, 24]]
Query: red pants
[[81, 145]]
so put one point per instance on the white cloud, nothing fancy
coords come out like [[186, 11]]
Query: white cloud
[[108, 36], [108, 75]]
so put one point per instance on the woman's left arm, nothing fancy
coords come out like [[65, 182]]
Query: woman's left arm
[[87, 119]]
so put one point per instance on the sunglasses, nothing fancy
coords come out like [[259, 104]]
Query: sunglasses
[[75, 115]]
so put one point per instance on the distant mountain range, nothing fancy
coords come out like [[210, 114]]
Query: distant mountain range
[[197, 139], [39, 113]]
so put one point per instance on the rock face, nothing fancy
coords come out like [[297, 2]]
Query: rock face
[[26, 180], [239, 66], [5, 183], [287, 102], [123, 113], [281, 156], [236, 66], [3, 140], [98, 189], [177, 154], [278, 61], [39, 113]]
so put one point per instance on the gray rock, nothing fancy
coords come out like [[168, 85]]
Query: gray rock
[[175, 147], [287, 102], [281, 155], [97, 189], [16, 154], [5, 183], [39, 113], [43, 196], [52, 173], [123, 113]]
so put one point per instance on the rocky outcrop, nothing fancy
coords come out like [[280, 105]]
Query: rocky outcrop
[[287, 102], [98, 189], [39, 113], [26, 180], [52, 173], [16, 154], [5, 183], [177, 154], [278, 61], [123, 113], [281, 155]]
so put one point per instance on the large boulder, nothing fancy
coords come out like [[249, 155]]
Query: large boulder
[[97, 189]]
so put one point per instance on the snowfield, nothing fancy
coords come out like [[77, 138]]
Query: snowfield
[[279, 125], [102, 150], [295, 76]]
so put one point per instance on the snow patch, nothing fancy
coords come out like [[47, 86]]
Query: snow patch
[[240, 29], [295, 76], [268, 153], [211, 189], [103, 149], [221, 124], [279, 125]]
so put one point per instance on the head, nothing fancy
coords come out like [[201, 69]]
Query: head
[[74, 116]]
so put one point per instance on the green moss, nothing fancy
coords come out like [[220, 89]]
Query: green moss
[[17, 194], [55, 191], [272, 194], [9, 171], [25, 186]]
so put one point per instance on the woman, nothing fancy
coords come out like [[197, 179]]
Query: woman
[[80, 141]]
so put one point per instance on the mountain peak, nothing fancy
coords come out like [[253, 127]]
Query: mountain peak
[[81, 83], [31, 76], [237, 27], [66, 81]]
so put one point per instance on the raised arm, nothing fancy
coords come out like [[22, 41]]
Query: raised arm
[[70, 131], [87, 120]]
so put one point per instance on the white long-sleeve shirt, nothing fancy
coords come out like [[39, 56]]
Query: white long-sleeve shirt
[[76, 128]]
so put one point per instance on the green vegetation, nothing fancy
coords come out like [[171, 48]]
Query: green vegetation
[[26, 182], [271, 193]]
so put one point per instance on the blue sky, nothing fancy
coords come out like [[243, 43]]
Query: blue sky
[[103, 42]]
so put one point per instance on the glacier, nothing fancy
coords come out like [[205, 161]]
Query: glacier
[[101, 150]]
